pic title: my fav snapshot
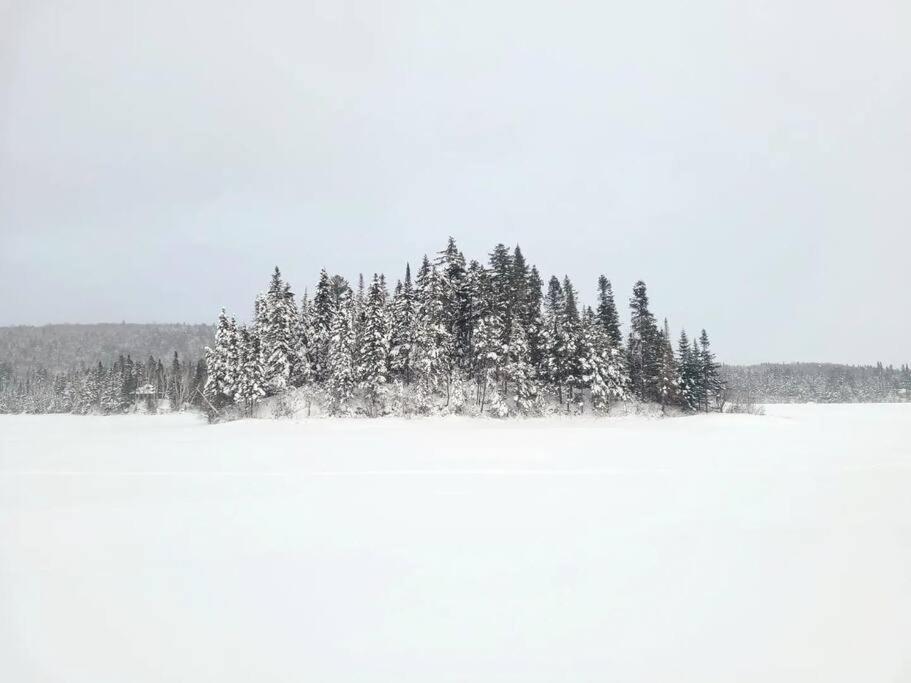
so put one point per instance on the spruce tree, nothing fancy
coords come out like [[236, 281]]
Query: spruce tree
[[573, 360], [488, 354], [440, 347], [502, 296], [175, 384], [432, 342], [112, 389], [534, 321], [642, 346], [278, 329], [687, 374], [358, 319], [373, 358], [403, 330], [519, 284], [562, 364], [200, 379], [519, 372], [607, 312], [454, 304], [249, 386], [668, 381], [323, 313], [602, 369], [554, 337], [340, 382], [305, 349], [221, 363], [711, 382]]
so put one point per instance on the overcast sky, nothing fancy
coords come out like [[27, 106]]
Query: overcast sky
[[750, 161]]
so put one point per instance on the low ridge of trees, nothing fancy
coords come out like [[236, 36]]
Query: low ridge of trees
[[817, 383], [62, 347], [460, 337]]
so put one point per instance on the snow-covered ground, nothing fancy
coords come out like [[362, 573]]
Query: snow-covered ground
[[711, 548]]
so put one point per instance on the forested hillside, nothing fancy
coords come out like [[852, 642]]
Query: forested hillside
[[817, 383], [107, 368], [61, 348]]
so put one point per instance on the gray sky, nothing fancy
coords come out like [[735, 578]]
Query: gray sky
[[750, 161]]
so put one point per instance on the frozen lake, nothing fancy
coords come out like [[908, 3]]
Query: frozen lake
[[711, 548]]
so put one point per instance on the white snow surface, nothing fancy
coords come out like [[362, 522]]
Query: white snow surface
[[708, 548]]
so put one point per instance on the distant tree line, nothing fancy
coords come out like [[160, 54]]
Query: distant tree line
[[62, 347], [104, 389], [817, 383], [459, 336]]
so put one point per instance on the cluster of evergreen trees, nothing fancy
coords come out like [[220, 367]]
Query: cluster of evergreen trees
[[459, 336], [104, 389]]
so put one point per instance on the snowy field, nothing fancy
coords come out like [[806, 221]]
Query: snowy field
[[712, 548]]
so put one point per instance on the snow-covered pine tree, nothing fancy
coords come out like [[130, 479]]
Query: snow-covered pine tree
[[607, 312], [373, 357], [603, 371], [230, 358], [519, 373], [63, 389], [90, 396], [403, 329], [476, 290], [432, 343], [278, 329], [534, 321], [128, 381], [446, 329], [518, 282], [502, 296], [699, 389], [668, 380], [249, 386], [175, 384], [555, 340], [150, 373], [710, 380], [687, 374], [322, 315], [215, 370], [488, 354], [454, 304], [572, 327], [340, 382], [221, 363], [360, 298], [111, 391], [642, 347], [200, 377], [303, 366], [358, 319], [260, 317], [422, 282]]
